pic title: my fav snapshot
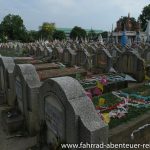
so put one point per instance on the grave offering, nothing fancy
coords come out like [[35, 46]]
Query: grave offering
[[105, 82], [68, 114], [124, 105]]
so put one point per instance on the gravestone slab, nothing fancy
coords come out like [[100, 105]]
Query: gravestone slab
[[7, 79], [69, 114], [27, 89]]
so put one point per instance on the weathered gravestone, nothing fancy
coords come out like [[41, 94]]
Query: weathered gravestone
[[28, 80], [7, 80], [102, 61], [69, 115], [69, 56], [131, 63], [27, 89]]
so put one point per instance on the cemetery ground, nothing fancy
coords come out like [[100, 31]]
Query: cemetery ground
[[14, 141]]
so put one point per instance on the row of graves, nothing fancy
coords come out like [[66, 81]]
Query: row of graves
[[92, 56], [61, 104]]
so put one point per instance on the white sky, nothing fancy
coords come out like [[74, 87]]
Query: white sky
[[98, 14]]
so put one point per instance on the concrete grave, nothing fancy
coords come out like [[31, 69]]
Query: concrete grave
[[102, 61], [7, 80], [27, 89], [131, 63], [69, 114], [69, 56], [28, 80]]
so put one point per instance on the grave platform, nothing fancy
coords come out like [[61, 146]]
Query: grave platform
[[12, 121]]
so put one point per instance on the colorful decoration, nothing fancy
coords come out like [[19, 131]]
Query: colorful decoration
[[100, 85], [101, 101], [106, 117]]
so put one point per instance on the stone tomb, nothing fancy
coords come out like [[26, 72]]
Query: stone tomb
[[69, 56], [7, 81], [28, 80], [102, 61], [131, 63], [27, 89], [69, 115]]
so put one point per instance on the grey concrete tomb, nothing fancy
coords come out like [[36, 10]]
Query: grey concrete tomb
[[27, 90], [69, 114], [7, 88]]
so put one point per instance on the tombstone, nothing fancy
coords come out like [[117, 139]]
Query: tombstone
[[7, 80], [131, 63], [82, 58], [57, 53], [48, 52], [69, 115], [69, 56], [102, 61], [27, 90], [146, 54]]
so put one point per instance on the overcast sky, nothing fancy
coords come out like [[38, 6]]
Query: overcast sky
[[98, 14]]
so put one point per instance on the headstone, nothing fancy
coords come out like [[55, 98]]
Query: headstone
[[69, 114], [27, 90], [7, 80], [131, 63]]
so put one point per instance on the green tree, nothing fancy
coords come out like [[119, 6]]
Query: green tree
[[13, 28], [77, 32], [104, 34], [59, 35], [46, 30], [144, 16], [33, 35]]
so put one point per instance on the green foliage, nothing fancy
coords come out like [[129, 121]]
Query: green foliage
[[92, 35], [12, 28], [77, 32], [59, 35], [46, 30], [144, 16], [33, 35], [104, 34]]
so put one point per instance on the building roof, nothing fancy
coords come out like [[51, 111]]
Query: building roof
[[68, 30]]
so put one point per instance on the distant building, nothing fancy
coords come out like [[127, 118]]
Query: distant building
[[68, 30], [132, 30]]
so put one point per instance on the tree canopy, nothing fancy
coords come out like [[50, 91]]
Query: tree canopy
[[77, 32], [46, 30], [145, 16], [59, 35], [12, 28]]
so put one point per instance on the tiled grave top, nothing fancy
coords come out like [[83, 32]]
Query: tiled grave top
[[46, 66], [45, 74]]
